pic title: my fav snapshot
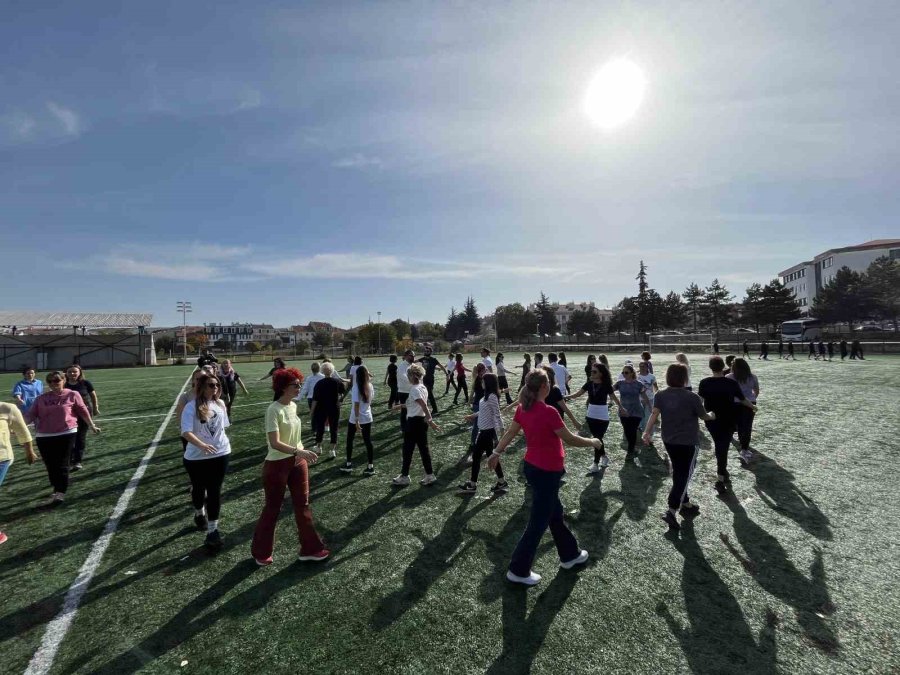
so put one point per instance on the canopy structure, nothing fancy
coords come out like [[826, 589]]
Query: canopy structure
[[70, 319]]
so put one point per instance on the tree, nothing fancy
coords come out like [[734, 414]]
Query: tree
[[164, 344], [844, 299], [454, 329], [253, 347], [583, 321], [302, 346], [624, 316], [368, 337], [753, 306], [693, 299], [222, 345], [321, 339], [546, 316], [672, 312], [471, 322], [428, 330], [779, 303], [274, 344], [401, 328], [514, 321], [715, 308], [882, 283], [401, 346]]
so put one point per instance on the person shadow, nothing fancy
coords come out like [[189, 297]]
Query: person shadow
[[776, 488], [718, 632], [640, 482], [765, 559], [436, 557], [593, 530]]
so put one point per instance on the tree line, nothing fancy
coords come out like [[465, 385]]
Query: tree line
[[853, 297]]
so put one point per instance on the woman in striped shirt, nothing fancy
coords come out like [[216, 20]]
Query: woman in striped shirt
[[502, 382], [490, 428]]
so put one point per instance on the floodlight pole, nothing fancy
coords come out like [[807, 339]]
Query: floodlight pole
[[379, 332], [184, 306]]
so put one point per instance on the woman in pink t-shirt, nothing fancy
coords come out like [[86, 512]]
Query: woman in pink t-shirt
[[545, 433]]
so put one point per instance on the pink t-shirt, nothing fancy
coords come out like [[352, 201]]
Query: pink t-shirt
[[54, 414], [543, 448]]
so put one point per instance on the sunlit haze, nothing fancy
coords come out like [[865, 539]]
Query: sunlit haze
[[615, 93]]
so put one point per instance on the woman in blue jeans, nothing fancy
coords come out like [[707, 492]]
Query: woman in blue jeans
[[544, 455]]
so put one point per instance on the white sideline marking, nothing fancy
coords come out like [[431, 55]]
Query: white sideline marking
[[56, 631]]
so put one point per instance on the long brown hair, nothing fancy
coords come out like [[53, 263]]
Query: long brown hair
[[200, 397], [533, 383], [362, 383]]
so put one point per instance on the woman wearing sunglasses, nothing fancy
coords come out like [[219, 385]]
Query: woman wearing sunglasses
[[286, 466], [631, 411], [203, 423], [55, 415], [599, 390]]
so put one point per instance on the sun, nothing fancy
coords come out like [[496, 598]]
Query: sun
[[615, 93]]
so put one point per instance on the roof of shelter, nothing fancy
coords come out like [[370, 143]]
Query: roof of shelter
[[23, 319]]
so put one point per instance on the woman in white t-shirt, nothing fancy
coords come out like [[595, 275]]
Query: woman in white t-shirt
[[648, 379], [683, 360], [203, 423], [418, 419], [361, 396]]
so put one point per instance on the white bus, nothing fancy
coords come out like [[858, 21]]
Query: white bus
[[798, 330]]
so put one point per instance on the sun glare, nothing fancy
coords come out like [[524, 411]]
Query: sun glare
[[614, 94]]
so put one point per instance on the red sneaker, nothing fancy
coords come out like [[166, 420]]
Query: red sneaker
[[3, 537], [265, 562], [314, 557]]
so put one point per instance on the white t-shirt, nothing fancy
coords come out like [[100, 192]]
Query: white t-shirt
[[648, 381], [562, 374], [365, 407], [353, 370], [416, 392], [306, 391], [210, 431], [488, 364], [451, 366], [502, 370], [403, 384], [688, 366]]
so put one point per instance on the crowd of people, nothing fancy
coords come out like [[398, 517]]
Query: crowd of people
[[725, 400]]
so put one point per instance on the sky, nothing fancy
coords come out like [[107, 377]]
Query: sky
[[282, 162]]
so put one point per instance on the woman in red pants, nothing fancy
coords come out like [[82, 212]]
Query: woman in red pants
[[286, 465]]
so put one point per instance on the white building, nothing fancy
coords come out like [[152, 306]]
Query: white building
[[237, 335], [807, 278], [563, 312]]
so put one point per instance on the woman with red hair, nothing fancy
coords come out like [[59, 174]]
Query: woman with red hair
[[286, 466]]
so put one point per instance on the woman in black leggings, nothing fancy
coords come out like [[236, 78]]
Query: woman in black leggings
[[361, 419], [461, 385], [631, 412], [326, 407], [599, 390]]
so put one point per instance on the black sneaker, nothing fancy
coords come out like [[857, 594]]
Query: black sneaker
[[670, 520], [369, 470], [721, 488], [468, 488], [201, 522], [347, 468], [501, 487], [76, 467], [689, 511], [213, 540]]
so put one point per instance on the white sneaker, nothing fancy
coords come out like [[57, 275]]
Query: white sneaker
[[746, 455], [333, 453], [401, 480], [429, 479], [595, 468], [532, 579], [604, 461], [580, 560]]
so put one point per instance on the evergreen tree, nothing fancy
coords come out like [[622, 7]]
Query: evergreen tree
[[514, 321], [693, 299], [624, 316], [673, 311], [779, 303], [844, 299], [583, 321], [471, 322], [715, 307], [753, 306], [454, 329], [401, 329], [546, 317], [882, 283]]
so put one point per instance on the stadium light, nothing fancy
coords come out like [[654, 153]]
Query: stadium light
[[184, 306]]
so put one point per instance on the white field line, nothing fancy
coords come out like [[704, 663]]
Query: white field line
[[56, 631]]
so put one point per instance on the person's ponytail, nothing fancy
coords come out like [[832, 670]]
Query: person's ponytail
[[529, 392]]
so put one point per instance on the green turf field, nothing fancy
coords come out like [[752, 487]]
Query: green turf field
[[798, 573]]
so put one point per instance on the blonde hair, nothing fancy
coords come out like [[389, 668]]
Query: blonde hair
[[415, 373], [681, 357], [202, 402], [327, 369], [533, 382]]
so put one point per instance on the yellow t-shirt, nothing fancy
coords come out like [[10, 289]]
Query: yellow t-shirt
[[11, 420], [283, 419]]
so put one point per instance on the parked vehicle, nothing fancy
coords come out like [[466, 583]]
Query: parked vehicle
[[798, 330]]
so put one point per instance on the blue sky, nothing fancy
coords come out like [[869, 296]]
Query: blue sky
[[283, 162]]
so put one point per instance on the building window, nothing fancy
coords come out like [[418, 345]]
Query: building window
[[894, 254], [828, 262]]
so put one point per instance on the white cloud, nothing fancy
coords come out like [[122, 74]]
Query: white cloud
[[188, 271], [358, 161], [249, 100], [18, 126], [67, 118]]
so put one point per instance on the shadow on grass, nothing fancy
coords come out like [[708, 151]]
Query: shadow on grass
[[776, 487], [768, 563], [718, 639], [593, 530], [640, 484]]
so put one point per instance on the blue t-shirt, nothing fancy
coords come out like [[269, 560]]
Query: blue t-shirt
[[29, 391], [630, 397]]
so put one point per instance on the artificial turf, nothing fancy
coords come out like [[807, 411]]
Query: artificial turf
[[797, 572]]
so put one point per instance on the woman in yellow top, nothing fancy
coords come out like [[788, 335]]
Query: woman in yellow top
[[11, 421], [286, 465]]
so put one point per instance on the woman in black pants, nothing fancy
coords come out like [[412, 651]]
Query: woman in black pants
[[326, 407], [680, 409], [719, 394], [76, 382], [415, 434], [502, 372], [599, 390], [631, 411], [361, 418], [390, 379], [203, 423], [461, 385], [490, 428]]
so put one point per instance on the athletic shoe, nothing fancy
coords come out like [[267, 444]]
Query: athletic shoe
[[670, 520], [3, 537], [213, 540], [746, 456], [333, 453], [265, 562], [429, 479], [563, 480], [200, 521], [595, 468], [501, 487], [579, 560], [400, 480], [468, 488], [721, 488], [347, 468], [689, 510], [726, 477], [604, 461], [76, 467], [314, 557], [369, 470], [532, 579], [56, 499]]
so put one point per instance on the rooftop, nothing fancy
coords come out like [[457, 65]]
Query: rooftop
[[22, 319]]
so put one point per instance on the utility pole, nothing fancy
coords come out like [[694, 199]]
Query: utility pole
[[184, 306], [379, 332]]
